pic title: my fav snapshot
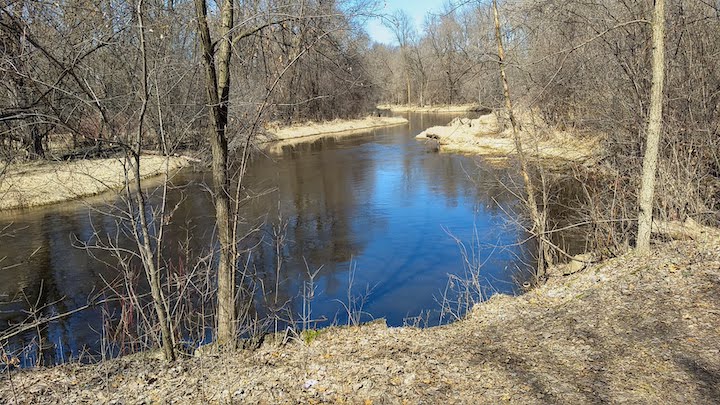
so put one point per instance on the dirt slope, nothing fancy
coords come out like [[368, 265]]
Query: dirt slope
[[628, 330]]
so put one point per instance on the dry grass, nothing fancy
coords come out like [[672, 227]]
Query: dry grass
[[42, 183], [486, 136], [336, 127], [628, 330], [436, 108]]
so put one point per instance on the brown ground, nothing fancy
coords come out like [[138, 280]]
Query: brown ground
[[627, 330]]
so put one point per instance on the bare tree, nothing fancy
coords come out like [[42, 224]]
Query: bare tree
[[147, 254], [537, 216], [587, 69], [401, 25], [654, 129], [217, 83]]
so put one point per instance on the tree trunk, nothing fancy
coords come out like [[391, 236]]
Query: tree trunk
[[32, 139], [407, 81], [37, 138], [537, 217], [217, 83], [654, 130], [152, 272]]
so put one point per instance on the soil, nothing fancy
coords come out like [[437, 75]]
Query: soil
[[633, 329], [49, 182], [487, 135]]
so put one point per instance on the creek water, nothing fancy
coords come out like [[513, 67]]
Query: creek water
[[379, 213]]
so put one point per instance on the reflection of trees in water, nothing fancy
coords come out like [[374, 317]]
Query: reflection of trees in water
[[56, 278], [566, 206], [565, 197], [325, 192], [21, 283], [470, 178], [321, 199]]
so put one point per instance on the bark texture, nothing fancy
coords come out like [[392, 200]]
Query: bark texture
[[217, 79], [654, 130]]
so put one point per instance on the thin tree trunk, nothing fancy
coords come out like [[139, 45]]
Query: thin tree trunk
[[148, 257], [537, 217], [654, 130], [407, 81], [218, 90]]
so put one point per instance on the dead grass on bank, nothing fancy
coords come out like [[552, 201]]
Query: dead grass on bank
[[627, 330], [337, 128], [487, 136], [48, 182], [435, 108]]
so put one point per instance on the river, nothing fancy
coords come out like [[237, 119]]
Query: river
[[379, 213]]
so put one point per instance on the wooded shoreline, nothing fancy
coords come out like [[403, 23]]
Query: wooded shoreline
[[47, 182], [587, 85], [486, 136], [51, 182]]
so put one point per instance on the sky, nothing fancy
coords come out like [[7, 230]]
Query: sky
[[414, 8]]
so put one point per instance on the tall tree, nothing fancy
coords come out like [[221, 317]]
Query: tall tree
[[654, 129], [217, 84], [402, 26]]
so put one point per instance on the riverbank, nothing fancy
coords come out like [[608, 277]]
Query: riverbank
[[48, 182], [630, 329], [435, 109], [338, 127], [487, 136]]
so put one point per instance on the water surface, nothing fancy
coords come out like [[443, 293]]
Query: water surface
[[379, 209]]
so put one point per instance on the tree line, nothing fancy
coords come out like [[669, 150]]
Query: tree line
[[588, 67], [70, 70]]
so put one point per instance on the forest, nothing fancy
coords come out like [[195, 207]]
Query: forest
[[143, 82], [71, 75]]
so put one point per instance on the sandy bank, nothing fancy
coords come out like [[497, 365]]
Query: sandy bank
[[336, 127], [487, 136], [627, 330], [42, 183], [436, 108]]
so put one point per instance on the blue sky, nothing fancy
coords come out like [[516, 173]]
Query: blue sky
[[414, 8]]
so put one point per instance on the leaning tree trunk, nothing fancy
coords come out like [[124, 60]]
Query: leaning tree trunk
[[217, 83], [654, 130], [537, 217]]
